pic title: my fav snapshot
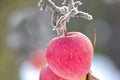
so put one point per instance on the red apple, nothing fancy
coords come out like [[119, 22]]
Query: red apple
[[47, 74], [69, 56], [37, 59]]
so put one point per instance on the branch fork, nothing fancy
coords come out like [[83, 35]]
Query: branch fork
[[61, 15]]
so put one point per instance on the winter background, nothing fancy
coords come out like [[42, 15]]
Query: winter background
[[25, 29]]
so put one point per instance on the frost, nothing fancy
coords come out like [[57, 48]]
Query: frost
[[61, 15]]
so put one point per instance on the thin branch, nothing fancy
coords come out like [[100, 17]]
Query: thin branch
[[63, 19], [44, 3], [57, 11], [84, 15], [61, 15], [77, 3], [69, 3], [54, 18]]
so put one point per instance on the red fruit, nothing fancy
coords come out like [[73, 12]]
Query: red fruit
[[47, 74], [70, 55], [37, 59]]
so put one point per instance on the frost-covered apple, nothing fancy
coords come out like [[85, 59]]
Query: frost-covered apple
[[47, 74], [70, 55]]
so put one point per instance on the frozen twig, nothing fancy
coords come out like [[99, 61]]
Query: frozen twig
[[57, 11], [84, 15], [44, 3], [69, 3], [77, 3], [61, 15], [63, 19], [54, 18]]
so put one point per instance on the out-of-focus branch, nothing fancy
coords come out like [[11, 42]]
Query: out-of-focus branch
[[69, 3], [57, 11], [54, 18], [44, 3], [91, 77], [77, 3]]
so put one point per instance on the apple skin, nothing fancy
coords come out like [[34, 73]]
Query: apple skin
[[69, 56], [47, 74]]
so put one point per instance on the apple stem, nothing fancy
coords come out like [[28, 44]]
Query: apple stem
[[65, 31]]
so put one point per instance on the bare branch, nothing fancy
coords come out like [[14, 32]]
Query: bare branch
[[63, 10], [59, 31], [84, 15], [54, 18], [55, 9], [62, 15], [77, 3], [91, 77], [44, 3], [62, 21], [69, 3]]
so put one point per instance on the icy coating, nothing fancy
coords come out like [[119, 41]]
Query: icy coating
[[61, 15]]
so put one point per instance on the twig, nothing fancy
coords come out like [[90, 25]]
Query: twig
[[61, 15]]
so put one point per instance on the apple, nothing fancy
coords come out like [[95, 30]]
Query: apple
[[47, 74], [37, 58], [69, 56]]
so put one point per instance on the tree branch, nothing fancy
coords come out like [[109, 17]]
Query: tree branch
[[61, 15]]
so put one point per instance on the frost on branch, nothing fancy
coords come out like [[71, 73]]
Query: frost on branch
[[61, 15]]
